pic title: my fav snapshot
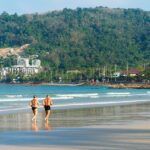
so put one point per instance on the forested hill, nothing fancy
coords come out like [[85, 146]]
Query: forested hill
[[89, 37]]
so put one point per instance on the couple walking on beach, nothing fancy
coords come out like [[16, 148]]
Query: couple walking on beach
[[47, 102]]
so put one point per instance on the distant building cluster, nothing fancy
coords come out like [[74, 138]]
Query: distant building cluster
[[23, 66], [131, 73]]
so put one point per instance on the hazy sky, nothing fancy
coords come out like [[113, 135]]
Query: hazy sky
[[40, 6]]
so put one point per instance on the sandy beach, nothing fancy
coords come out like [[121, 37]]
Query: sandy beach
[[110, 128]]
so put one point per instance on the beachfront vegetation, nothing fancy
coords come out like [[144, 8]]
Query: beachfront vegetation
[[83, 39]]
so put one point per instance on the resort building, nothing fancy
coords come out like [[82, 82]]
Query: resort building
[[116, 74], [131, 72], [23, 66]]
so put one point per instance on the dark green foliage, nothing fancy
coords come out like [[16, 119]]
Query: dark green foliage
[[81, 38], [8, 61]]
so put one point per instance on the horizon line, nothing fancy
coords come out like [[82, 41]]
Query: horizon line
[[59, 10]]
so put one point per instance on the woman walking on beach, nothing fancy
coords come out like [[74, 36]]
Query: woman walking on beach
[[47, 102], [34, 105]]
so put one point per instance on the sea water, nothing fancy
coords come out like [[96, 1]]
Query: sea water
[[17, 97]]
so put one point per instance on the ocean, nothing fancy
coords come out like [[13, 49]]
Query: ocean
[[17, 97]]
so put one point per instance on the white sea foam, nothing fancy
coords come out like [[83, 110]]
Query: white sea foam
[[101, 103], [63, 98], [80, 105], [116, 93], [125, 94], [94, 96], [14, 109], [78, 95], [141, 94], [14, 99], [13, 96]]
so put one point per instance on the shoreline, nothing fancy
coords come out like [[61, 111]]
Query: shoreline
[[128, 85], [109, 85]]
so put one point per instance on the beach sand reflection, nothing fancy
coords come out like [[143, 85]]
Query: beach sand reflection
[[48, 125], [75, 118], [35, 126]]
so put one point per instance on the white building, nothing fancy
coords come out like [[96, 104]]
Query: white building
[[23, 66], [3, 73], [36, 63], [23, 62], [116, 74]]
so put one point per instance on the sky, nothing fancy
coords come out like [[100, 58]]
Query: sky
[[41, 6]]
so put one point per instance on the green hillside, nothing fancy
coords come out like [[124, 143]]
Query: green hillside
[[75, 39]]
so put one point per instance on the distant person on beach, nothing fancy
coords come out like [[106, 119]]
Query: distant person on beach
[[34, 105], [47, 102]]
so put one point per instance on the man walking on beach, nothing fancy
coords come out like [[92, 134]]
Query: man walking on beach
[[34, 105], [47, 102]]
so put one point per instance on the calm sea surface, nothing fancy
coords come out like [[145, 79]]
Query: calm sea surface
[[17, 97]]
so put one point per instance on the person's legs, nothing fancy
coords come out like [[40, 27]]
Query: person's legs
[[33, 110], [34, 114], [46, 112]]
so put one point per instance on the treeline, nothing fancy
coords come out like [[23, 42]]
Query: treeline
[[81, 38], [89, 75]]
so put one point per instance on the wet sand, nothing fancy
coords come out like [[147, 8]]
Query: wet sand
[[105, 128]]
